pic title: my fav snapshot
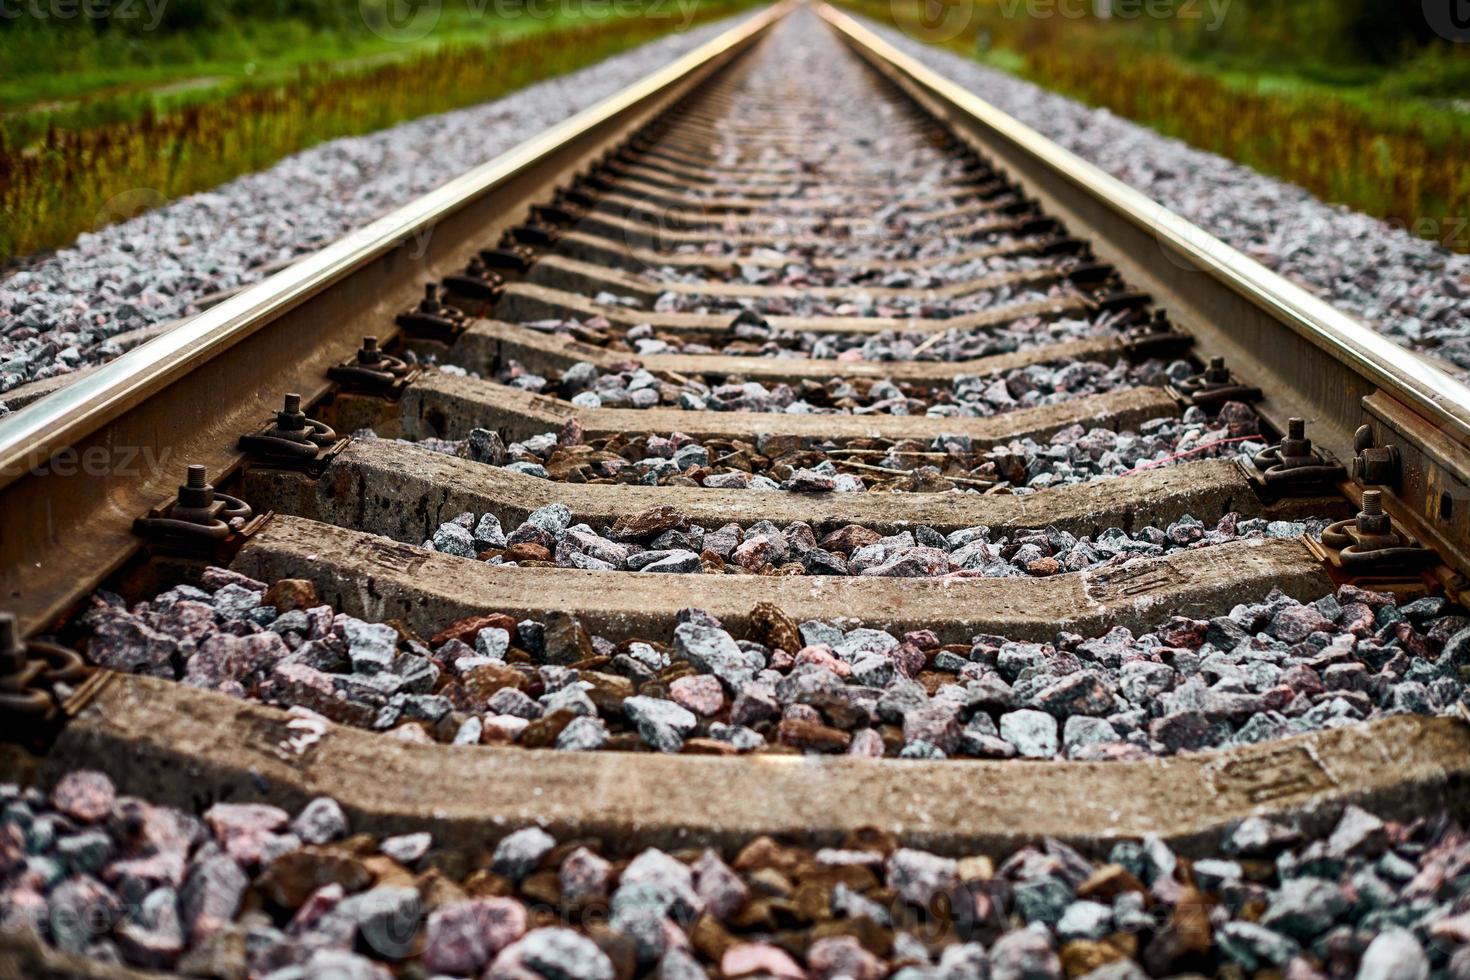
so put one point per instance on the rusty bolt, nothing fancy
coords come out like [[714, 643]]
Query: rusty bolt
[[1217, 373], [1296, 448], [291, 418], [369, 353], [1376, 465], [196, 493], [431, 298], [1372, 519]]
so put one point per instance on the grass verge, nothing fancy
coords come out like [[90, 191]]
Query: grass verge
[[78, 176], [1377, 140]]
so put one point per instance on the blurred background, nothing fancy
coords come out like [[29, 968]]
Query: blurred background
[[101, 97], [1363, 102]]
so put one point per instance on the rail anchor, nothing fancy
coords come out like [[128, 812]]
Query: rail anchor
[[200, 519], [1369, 543], [35, 679], [1293, 467], [1156, 338], [1214, 386], [535, 233], [476, 284], [508, 256], [294, 441], [432, 319], [374, 372]]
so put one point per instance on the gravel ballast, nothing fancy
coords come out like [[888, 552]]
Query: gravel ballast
[[1412, 290], [1262, 671], [1072, 455], [62, 313], [252, 889]]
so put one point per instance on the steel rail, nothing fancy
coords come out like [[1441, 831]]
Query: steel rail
[[1312, 360], [77, 467]]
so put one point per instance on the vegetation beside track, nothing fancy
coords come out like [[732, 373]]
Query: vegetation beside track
[[1357, 101], [70, 167]]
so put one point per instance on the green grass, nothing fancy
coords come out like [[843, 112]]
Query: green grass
[[37, 68], [62, 77], [68, 169], [1379, 124]]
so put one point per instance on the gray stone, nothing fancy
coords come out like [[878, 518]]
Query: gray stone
[[553, 518], [518, 854], [1254, 946], [452, 539], [84, 853], [713, 651], [1025, 954], [1358, 832], [211, 896], [387, 918], [320, 822], [1305, 907], [492, 642], [1394, 955], [555, 954], [371, 646], [1085, 920], [1032, 732], [583, 734], [407, 849], [641, 710], [919, 876], [1080, 730]]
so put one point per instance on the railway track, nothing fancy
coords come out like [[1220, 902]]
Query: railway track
[[791, 446]]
